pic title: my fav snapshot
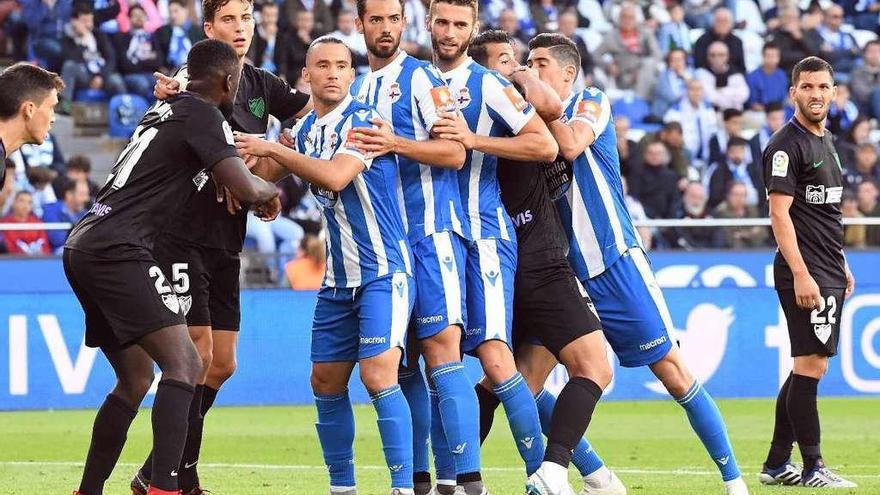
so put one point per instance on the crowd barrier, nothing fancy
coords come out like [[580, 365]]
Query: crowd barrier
[[726, 315]]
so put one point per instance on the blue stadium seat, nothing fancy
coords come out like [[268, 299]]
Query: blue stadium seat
[[89, 95], [125, 112], [636, 110]]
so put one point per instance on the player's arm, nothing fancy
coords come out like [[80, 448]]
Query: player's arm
[[538, 93], [284, 101], [444, 153], [232, 173], [533, 143], [850, 280], [590, 119]]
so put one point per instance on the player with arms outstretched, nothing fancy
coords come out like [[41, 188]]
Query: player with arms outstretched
[[131, 311], [365, 302], [802, 173]]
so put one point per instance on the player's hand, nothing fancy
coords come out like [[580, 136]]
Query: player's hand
[[250, 161], [286, 138], [374, 141], [453, 127], [850, 283], [268, 211], [233, 206], [806, 292], [252, 145], [165, 87]]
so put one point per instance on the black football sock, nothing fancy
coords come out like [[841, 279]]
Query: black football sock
[[783, 435], [471, 482], [804, 415], [207, 400], [108, 437], [422, 483], [170, 411], [489, 402], [147, 468], [571, 417], [208, 396], [187, 478]]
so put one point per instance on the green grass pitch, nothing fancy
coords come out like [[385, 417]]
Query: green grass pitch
[[274, 450]]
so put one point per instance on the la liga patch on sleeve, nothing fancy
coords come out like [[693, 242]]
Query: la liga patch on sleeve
[[443, 99], [516, 99], [590, 110], [780, 163]]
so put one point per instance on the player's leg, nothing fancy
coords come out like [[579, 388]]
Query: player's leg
[[778, 468], [491, 268], [415, 390], [384, 307]]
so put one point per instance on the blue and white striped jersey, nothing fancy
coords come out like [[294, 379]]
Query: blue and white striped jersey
[[593, 210], [492, 107], [409, 94], [365, 234]]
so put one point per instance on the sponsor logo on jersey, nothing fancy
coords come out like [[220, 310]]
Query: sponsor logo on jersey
[[558, 176], [394, 92], [527, 442], [819, 194], [326, 198], [257, 107], [200, 179], [464, 98], [653, 343], [492, 276], [590, 110], [779, 167], [516, 99], [822, 331], [522, 218], [399, 286], [443, 100], [448, 263], [100, 209], [372, 340]]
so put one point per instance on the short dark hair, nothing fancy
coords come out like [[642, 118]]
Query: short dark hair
[[136, 7], [737, 141], [25, 82], [774, 106], [67, 186], [872, 42], [669, 55], [81, 8], [810, 64], [478, 51], [362, 6], [80, 162], [731, 113], [672, 126], [182, 3], [210, 59], [329, 40], [473, 4], [562, 48], [210, 8], [770, 45]]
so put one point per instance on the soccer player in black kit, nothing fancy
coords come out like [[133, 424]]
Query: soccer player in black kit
[[802, 173], [200, 250], [28, 95], [131, 311]]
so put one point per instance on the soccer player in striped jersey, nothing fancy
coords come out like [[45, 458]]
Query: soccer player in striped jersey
[[364, 304], [606, 254], [409, 95]]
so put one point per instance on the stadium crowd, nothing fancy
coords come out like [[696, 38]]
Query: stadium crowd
[[698, 87]]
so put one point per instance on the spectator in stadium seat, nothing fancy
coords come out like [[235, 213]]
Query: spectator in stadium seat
[[627, 150], [298, 41], [637, 213], [139, 54], [568, 23], [731, 126], [795, 43], [655, 185], [838, 48], [493, 11], [672, 136], [630, 55], [322, 17], [735, 205], [735, 168], [71, 208], [416, 40], [768, 84], [545, 15], [7, 187], [853, 235], [693, 206], [345, 31], [267, 49], [89, 58], [45, 21], [698, 122], [774, 119], [47, 155], [865, 79], [152, 18], [78, 169], [177, 37], [40, 186], [306, 272], [842, 112], [866, 196], [675, 34], [509, 22], [865, 14], [721, 30], [864, 168], [27, 242], [671, 83], [723, 85]]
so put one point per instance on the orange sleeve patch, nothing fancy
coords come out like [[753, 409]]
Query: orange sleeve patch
[[443, 99], [515, 98], [589, 110]]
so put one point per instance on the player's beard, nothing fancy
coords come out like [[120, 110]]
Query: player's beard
[[384, 52], [448, 58], [808, 114]]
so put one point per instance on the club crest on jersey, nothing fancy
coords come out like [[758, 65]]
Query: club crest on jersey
[[464, 98], [443, 99], [394, 92], [200, 179], [257, 107], [334, 140], [516, 99], [815, 195]]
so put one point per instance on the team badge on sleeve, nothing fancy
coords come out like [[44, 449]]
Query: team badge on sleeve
[[780, 164], [227, 133], [516, 99], [443, 99], [590, 110]]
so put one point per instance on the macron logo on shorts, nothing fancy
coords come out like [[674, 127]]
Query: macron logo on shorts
[[372, 340], [427, 320], [652, 344]]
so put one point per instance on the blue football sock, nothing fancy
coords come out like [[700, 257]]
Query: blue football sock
[[585, 459], [336, 432], [522, 415], [706, 420], [395, 428], [460, 414], [412, 384], [444, 462]]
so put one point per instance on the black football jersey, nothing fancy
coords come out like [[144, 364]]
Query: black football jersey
[[260, 94], [806, 166], [166, 162], [2, 163]]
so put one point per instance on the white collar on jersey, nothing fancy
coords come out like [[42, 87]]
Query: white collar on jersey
[[456, 71], [397, 62], [334, 114]]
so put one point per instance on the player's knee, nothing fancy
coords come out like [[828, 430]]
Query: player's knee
[[325, 382], [207, 357], [133, 389], [599, 373], [377, 378], [222, 368]]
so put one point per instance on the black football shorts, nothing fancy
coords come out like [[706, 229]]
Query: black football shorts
[[813, 331], [550, 308], [123, 300], [205, 279]]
